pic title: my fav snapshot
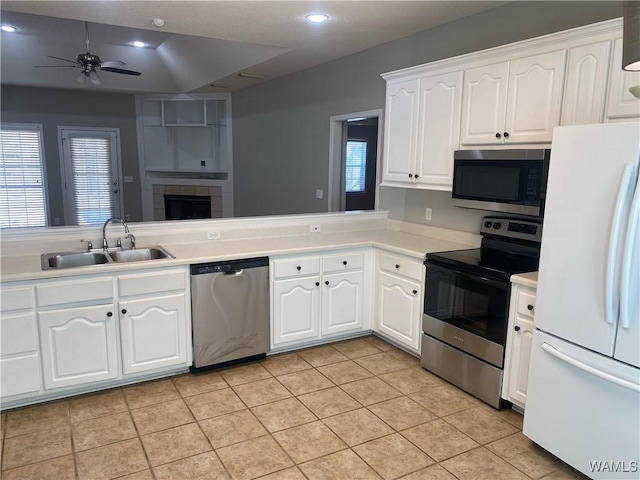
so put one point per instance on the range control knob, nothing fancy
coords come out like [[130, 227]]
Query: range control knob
[[497, 225], [487, 224]]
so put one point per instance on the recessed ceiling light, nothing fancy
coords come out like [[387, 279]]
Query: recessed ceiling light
[[138, 44], [158, 22], [8, 28], [317, 17]]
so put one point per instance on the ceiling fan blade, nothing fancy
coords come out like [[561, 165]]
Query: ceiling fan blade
[[112, 63], [63, 59], [120, 70], [55, 66]]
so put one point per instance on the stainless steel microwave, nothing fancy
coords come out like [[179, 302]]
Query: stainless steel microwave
[[511, 181]]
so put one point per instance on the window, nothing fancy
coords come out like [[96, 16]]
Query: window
[[356, 166], [22, 191], [90, 165]]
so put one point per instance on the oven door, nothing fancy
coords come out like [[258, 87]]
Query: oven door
[[467, 311]]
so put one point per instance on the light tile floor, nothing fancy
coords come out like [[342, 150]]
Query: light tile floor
[[352, 410]]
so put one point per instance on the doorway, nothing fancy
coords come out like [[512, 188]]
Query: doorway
[[354, 161]]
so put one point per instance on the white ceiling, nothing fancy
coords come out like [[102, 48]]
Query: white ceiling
[[204, 42]]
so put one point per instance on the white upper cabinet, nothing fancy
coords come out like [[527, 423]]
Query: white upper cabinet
[[422, 130], [621, 104], [401, 124], [439, 129], [513, 102]]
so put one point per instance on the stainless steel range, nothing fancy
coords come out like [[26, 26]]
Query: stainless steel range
[[466, 305]]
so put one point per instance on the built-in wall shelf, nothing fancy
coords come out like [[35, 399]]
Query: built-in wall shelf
[[184, 136]]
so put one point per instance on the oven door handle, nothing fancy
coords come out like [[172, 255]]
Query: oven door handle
[[476, 278]]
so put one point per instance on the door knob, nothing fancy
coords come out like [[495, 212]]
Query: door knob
[[498, 135], [344, 262], [516, 328], [529, 307], [326, 282], [506, 134], [298, 268], [124, 310], [317, 284], [411, 175], [415, 291], [109, 314], [417, 175]]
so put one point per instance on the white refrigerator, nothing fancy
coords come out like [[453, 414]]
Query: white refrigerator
[[583, 394]]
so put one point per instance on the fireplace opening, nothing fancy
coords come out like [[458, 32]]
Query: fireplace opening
[[187, 207]]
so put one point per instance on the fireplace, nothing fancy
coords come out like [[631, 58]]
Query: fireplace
[[182, 202], [185, 207]]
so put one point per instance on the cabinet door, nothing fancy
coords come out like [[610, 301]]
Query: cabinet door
[[401, 123], [399, 309], [153, 333], [621, 104], [20, 365], [296, 309], [585, 87], [484, 104], [342, 302], [78, 345], [520, 352], [534, 98], [439, 129]]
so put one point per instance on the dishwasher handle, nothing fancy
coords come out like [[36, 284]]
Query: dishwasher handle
[[234, 272], [229, 267]]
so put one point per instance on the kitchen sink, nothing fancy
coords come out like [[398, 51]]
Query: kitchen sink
[[72, 259], [139, 254], [52, 261]]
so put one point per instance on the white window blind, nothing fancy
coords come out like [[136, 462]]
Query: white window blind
[[356, 166], [91, 161], [22, 191]]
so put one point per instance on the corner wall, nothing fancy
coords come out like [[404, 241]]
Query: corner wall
[[281, 127]]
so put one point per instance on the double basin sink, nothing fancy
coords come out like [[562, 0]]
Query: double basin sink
[[51, 261]]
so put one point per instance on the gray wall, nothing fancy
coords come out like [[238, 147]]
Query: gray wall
[[74, 108], [281, 127]]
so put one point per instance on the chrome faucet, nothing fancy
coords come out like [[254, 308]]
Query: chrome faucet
[[104, 230]]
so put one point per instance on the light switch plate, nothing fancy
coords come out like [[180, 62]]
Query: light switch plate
[[128, 179]]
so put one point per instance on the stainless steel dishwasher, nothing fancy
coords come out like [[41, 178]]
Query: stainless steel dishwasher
[[230, 311]]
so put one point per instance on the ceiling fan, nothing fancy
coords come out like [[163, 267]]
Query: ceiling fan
[[89, 63]]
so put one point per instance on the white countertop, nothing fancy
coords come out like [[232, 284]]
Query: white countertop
[[27, 267], [529, 279]]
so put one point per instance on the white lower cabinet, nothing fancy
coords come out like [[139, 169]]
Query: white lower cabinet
[[81, 333], [78, 345], [518, 347], [318, 296], [153, 333], [399, 291], [19, 350]]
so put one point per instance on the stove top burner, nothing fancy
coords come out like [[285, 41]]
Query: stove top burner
[[508, 247]]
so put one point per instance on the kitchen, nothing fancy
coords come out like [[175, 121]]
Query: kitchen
[[404, 204]]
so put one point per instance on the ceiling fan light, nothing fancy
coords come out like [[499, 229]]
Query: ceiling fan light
[[8, 28], [81, 78], [317, 17], [94, 78]]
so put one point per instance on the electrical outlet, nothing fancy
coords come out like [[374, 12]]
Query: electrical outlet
[[319, 193], [213, 235], [56, 221], [427, 214], [315, 228]]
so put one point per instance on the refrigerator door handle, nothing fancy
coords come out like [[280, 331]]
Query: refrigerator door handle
[[610, 298], [627, 256], [589, 369]]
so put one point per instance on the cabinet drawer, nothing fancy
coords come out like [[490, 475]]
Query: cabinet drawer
[[18, 334], [17, 298], [296, 267], [143, 283], [526, 303], [19, 375], [342, 261], [400, 266], [84, 290]]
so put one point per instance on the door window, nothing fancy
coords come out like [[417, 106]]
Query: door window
[[91, 166]]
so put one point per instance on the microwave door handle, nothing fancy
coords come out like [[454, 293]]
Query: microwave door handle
[[627, 257], [610, 298]]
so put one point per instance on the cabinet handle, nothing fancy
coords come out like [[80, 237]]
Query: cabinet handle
[[506, 134], [417, 175], [516, 328], [498, 135], [298, 268], [124, 310], [411, 175], [326, 282], [317, 284], [109, 314], [529, 307], [397, 266], [415, 291], [344, 262]]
